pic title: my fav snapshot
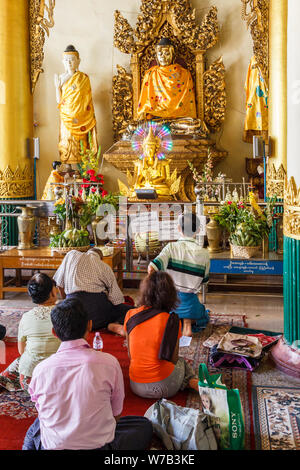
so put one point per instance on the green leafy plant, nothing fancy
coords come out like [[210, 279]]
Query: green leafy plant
[[95, 200], [70, 238], [246, 225]]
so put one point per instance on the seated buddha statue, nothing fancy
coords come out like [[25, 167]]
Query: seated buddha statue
[[56, 176], [150, 172], [167, 95]]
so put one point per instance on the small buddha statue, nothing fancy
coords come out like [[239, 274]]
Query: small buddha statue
[[151, 172], [77, 117], [56, 176], [167, 95]]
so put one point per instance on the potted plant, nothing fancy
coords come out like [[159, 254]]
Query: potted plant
[[246, 224]]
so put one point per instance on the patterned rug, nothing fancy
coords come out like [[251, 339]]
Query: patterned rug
[[17, 412], [196, 353], [276, 417], [10, 318]]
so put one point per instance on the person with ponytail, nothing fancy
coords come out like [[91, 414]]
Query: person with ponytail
[[36, 341], [153, 331]]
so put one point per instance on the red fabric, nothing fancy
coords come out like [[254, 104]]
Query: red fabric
[[12, 430]]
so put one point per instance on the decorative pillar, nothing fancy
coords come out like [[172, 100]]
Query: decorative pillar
[[286, 354], [278, 84], [16, 104]]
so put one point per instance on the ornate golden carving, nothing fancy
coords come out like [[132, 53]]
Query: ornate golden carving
[[41, 19], [122, 101], [18, 183], [215, 95], [275, 181], [173, 19], [291, 217], [258, 21]]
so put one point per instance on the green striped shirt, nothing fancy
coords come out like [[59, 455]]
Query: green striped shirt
[[186, 262]]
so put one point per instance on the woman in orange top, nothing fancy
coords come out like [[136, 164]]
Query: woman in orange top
[[155, 373]]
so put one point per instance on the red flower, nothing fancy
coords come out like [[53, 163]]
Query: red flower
[[85, 185], [104, 193], [93, 179], [93, 189], [229, 202], [90, 172]]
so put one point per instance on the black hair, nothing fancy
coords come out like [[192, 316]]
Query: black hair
[[39, 288], [55, 164], [189, 224], [70, 48], [165, 42], [69, 320]]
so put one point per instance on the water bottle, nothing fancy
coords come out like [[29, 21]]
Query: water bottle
[[97, 342]]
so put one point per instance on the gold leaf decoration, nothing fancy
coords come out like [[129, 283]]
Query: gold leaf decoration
[[122, 106], [215, 95], [257, 20], [41, 20], [291, 217], [17, 183], [123, 34], [275, 181]]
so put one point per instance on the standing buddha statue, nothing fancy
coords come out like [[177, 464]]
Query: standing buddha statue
[[77, 117]]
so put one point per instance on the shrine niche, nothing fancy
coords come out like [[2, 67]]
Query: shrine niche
[[170, 24]]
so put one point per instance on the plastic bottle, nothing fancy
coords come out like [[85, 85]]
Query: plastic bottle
[[98, 342]]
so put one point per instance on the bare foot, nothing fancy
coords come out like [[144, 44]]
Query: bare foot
[[116, 328], [187, 327], [193, 383]]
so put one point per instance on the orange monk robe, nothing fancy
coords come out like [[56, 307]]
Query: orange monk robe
[[256, 99], [167, 92], [54, 177], [76, 105]]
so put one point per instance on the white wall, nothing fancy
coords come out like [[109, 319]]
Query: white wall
[[88, 25]]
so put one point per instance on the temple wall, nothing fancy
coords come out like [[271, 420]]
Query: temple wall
[[88, 25]]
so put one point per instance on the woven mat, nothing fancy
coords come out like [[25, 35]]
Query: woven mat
[[276, 417]]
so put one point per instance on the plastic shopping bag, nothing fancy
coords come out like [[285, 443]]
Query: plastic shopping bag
[[224, 407]]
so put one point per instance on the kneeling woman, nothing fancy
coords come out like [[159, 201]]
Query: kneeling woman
[[153, 334], [35, 339]]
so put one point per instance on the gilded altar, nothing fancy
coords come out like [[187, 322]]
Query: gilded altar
[[175, 21]]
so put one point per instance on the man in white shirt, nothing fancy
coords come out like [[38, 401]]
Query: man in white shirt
[[84, 276]]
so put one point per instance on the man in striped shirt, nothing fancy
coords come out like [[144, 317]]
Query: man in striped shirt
[[188, 264]]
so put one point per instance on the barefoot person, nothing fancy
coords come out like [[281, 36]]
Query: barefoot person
[[156, 371], [36, 341], [84, 276], [188, 265]]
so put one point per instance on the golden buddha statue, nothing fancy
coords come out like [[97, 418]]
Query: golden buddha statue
[[167, 95], [150, 172], [77, 118], [56, 176]]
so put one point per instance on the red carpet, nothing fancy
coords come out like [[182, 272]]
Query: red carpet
[[17, 412]]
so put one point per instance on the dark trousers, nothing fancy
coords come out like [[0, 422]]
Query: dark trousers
[[132, 433], [2, 331], [100, 309]]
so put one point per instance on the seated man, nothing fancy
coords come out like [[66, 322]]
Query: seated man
[[85, 277], [188, 264], [79, 394]]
